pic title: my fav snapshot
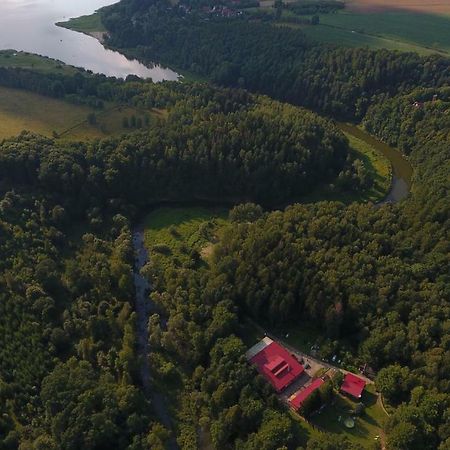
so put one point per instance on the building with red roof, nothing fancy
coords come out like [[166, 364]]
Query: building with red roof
[[275, 363], [297, 401], [353, 385]]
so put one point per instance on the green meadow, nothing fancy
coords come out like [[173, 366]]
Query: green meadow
[[394, 30]]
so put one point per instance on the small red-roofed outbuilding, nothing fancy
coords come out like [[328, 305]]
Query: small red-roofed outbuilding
[[297, 401], [353, 385]]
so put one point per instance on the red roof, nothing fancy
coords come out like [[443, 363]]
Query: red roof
[[277, 365], [302, 395], [353, 385]]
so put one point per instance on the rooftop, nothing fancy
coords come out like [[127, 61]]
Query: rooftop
[[275, 363], [353, 385], [302, 395]]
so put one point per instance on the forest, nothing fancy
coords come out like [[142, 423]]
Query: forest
[[373, 277]]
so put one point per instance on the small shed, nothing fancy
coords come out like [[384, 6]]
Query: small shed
[[353, 385]]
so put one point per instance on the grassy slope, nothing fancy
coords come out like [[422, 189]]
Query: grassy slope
[[22, 110], [24, 60], [399, 30], [85, 24]]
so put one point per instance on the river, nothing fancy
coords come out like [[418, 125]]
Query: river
[[29, 25], [401, 168], [144, 307]]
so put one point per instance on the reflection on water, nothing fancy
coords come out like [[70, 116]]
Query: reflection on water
[[29, 25]]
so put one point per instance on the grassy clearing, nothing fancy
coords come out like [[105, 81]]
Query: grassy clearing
[[22, 110], [24, 60], [367, 426], [394, 30], [172, 234], [378, 166], [85, 24]]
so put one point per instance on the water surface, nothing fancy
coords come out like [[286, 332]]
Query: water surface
[[401, 168], [29, 25]]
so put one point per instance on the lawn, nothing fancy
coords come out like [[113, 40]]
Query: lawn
[[367, 426], [394, 30], [173, 232], [24, 60], [22, 110]]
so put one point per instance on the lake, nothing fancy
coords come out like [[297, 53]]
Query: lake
[[29, 25]]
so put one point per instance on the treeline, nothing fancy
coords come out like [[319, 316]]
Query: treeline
[[375, 277], [68, 376], [277, 61], [266, 152], [68, 363]]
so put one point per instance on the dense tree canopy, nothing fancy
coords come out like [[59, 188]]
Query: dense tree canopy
[[374, 279]]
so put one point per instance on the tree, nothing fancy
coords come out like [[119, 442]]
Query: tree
[[394, 383]]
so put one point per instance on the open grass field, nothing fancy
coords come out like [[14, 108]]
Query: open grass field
[[367, 427], [21, 110], [424, 32], [174, 232], [404, 25], [24, 60], [84, 24]]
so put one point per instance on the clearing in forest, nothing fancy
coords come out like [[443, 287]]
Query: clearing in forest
[[23, 110], [173, 233]]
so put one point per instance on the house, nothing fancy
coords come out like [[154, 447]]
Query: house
[[275, 363], [297, 400], [353, 385]]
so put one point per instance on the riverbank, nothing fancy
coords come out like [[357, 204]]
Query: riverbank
[[402, 170], [91, 25]]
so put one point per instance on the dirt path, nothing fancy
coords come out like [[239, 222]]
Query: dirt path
[[144, 308]]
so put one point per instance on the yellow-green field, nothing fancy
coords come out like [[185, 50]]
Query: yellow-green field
[[24, 60], [22, 110], [402, 30]]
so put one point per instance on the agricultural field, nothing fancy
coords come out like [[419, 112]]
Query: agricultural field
[[423, 6], [422, 27], [21, 110]]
